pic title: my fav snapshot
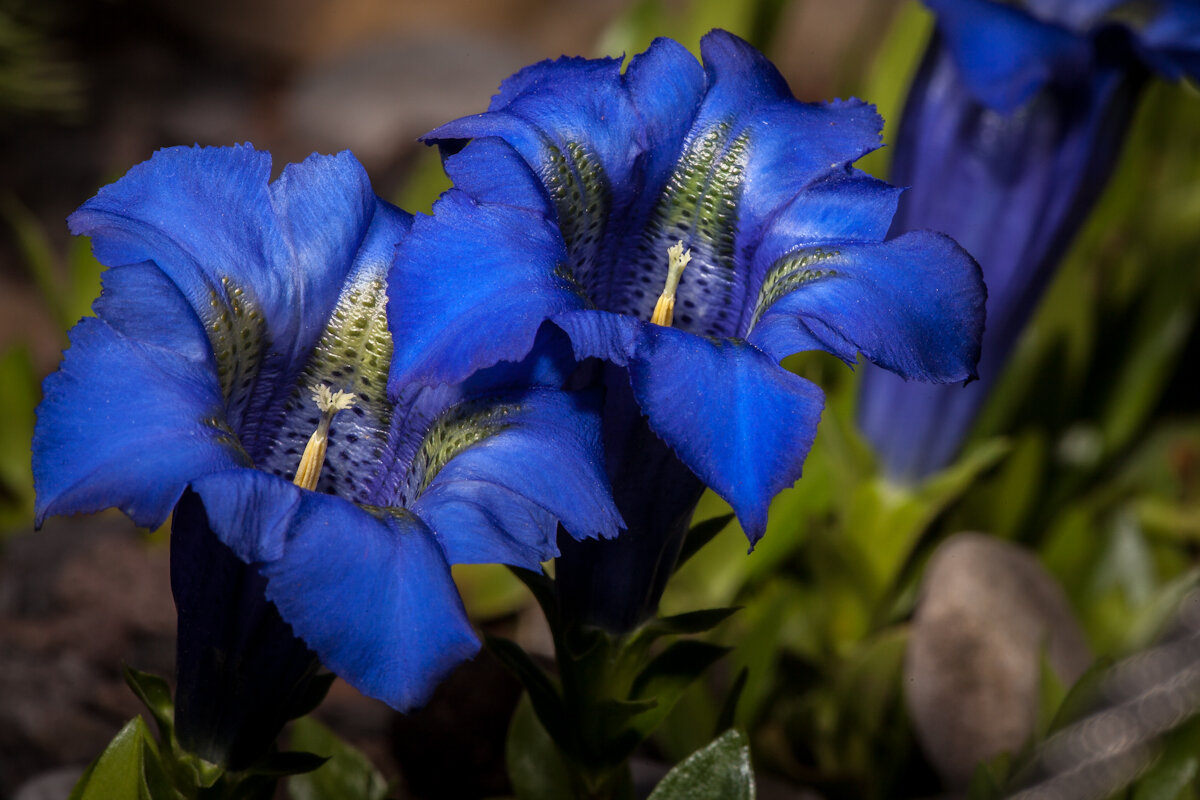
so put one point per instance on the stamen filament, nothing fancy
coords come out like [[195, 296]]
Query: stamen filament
[[664, 309], [329, 403]]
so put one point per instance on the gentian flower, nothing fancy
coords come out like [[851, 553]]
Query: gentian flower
[[239, 361], [1012, 127], [691, 226]]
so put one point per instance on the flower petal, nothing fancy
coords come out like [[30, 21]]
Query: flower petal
[[913, 305], [542, 447], [127, 424], [370, 593], [471, 288], [739, 421], [1011, 189], [1005, 55], [260, 264], [478, 522]]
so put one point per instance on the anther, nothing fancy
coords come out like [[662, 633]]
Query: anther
[[329, 403], [664, 309]]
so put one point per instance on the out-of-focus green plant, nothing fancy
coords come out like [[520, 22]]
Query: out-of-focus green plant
[[66, 287], [1074, 457], [34, 76]]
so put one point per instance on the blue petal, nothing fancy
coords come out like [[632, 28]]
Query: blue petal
[[666, 85], [913, 305], [1011, 189], [739, 421], [541, 446], [471, 288], [127, 424], [1004, 54], [845, 206], [478, 522], [1170, 42], [550, 108], [791, 144], [751, 149], [371, 594], [241, 251], [491, 171]]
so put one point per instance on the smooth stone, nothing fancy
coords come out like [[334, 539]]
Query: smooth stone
[[988, 611]]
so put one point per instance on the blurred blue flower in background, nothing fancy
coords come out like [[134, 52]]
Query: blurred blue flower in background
[[1012, 126], [239, 361], [691, 226]]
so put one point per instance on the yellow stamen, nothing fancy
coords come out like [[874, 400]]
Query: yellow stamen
[[664, 309], [329, 403]]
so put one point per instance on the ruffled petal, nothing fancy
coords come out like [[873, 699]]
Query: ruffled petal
[[542, 447], [739, 421], [562, 116], [471, 287], [751, 149], [370, 593], [260, 264], [125, 424], [478, 522], [913, 305]]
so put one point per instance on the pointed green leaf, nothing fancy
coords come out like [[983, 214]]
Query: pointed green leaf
[[341, 772], [667, 676], [291, 762], [313, 694], [545, 696], [691, 622], [535, 764], [130, 767], [729, 709], [720, 771], [701, 534], [155, 694], [1176, 768]]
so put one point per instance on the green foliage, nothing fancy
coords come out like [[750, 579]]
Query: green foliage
[[130, 767], [344, 773], [18, 397], [536, 766], [720, 771]]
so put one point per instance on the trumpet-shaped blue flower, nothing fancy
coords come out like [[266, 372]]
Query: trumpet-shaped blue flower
[[1011, 129], [691, 225], [240, 352]]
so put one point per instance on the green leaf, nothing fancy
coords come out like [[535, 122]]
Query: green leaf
[[18, 397], [130, 767], [701, 534], [988, 780], [729, 709], [312, 695], [720, 771], [545, 696], [666, 677], [1177, 767], [335, 770], [155, 695], [535, 764], [687, 623]]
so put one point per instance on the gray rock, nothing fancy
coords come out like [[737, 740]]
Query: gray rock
[[988, 611]]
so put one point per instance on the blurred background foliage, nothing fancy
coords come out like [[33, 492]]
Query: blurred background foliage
[[1088, 454]]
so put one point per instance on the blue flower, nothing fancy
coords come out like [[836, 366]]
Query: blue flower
[[240, 352], [586, 191], [1011, 129]]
